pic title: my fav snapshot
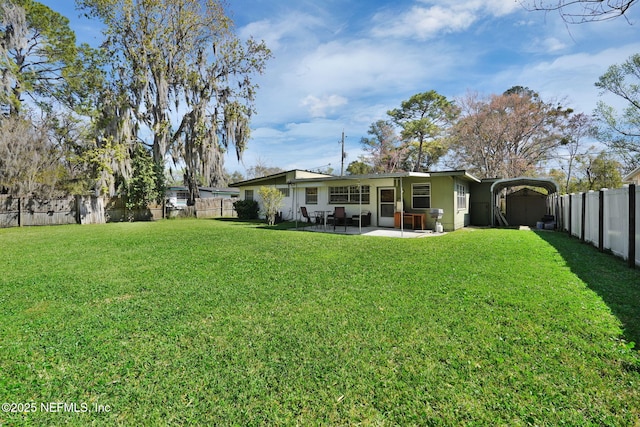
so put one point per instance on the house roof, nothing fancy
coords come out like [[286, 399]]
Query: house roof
[[631, 176], [460, 173], [298, 176], [548, 184], [293, 172], [209, 189]]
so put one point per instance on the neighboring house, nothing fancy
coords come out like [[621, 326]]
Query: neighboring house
[[633, 177], [383, 195], [177, 196]]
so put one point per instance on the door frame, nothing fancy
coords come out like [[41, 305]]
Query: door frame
[[385, 221]]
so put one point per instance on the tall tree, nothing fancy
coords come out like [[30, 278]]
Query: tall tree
[[358, 167], [424, 118], [39, 58], [621, 130], [579, 127], [29, 163], [596, 172], [581, 11], [182, 75], [508, 135], [383, 147]]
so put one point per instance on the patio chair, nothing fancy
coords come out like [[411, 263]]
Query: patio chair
[[364, 219], [339, 214], [305, 214]]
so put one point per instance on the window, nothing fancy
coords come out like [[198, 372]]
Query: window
[[462, 196], [284, 191], [182, 195], [349, 194], [420, 196], [248, 194], [311, 196]]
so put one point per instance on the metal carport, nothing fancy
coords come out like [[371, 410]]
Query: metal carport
[[498, 186]]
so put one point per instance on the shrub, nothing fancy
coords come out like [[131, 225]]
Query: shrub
[[272, 201], [246, 209]]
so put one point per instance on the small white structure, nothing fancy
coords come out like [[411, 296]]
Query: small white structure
[[177, 196], [633, 177]]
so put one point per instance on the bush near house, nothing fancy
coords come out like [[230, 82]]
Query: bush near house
[[246, 209]]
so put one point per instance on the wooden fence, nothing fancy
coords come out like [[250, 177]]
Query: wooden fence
[[18, 212], [607, 219], [214, 208]]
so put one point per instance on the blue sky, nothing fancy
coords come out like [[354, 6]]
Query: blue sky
[[341, 65]]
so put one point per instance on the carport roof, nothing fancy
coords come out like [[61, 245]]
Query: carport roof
[[546, 183]]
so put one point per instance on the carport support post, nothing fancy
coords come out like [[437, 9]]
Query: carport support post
[[402, 209], [360, 206], [632, 226]]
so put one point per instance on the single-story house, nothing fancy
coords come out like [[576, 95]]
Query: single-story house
[[385, 196], [177, 196], [633, 177]]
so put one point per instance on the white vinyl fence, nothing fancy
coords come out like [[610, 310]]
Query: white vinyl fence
[[608, 219]]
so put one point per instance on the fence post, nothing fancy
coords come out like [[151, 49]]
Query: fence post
[[78, 213], [583, 217], [563, 220], [19, 211], [632, 226], [601, 221], [570, 215]]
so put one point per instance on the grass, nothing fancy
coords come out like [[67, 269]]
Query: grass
[[224, 322]]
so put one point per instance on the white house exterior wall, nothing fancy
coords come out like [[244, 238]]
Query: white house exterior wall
[[323, 204]]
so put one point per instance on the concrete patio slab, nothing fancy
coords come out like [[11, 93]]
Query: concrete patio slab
[[373, 231]]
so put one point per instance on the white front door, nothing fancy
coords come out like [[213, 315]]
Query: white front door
[[386, 206]]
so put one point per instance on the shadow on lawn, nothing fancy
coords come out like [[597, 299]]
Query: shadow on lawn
[[608, 276], [260, 223]]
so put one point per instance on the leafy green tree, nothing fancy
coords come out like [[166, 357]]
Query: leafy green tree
[[39, 58], [180, 72], [598, 172], [271, 202], [424, 119], [383, 147], [621, 129], [146, 183], [359, 167]]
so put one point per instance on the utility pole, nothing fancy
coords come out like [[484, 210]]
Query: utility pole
[[343, 156]]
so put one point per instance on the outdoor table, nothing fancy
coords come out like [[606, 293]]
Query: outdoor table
[[323, 215]]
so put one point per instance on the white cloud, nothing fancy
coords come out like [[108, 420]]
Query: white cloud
[[436, 18], [571, 76], [319, 107]]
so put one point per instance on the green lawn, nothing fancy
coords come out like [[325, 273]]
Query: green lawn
[[222, 322]]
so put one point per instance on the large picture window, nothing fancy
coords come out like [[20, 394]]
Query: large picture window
[[420, 196], [349, 194]]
